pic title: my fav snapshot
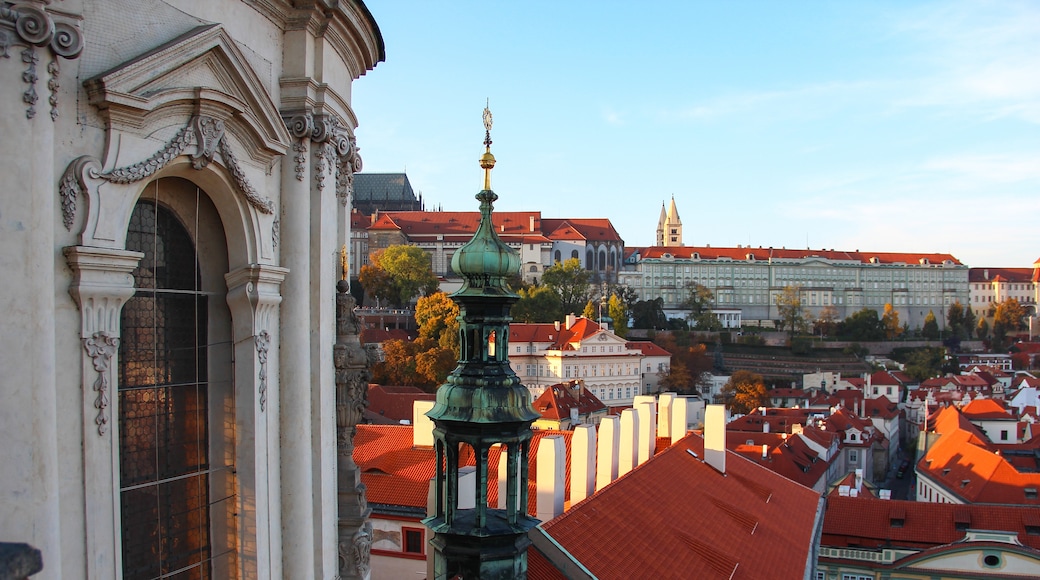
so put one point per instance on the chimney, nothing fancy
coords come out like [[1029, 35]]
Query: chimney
[[503, 474], [532, 223], [583, 462], [664, 414], [467, 499], [646, 406], [422, 426], [556, 325], [680, 418], [628, 449], [859, 479], [765, 426], [715, 437], [569, 321], [607, 446], [765, 452], [552, 473]]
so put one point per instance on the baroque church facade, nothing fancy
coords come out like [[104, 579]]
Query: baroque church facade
[[177, 190]]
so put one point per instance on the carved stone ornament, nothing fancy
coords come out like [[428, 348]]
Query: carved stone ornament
[[33, 27], [100, 347], [206, 133], [263, 343], [336, 150], [356, 553]]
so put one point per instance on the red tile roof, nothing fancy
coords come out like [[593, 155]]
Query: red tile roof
[[675, 516], [395, 403], [788, 456], [556, 402], [866, 523], [710, 253], [985, 409], [1006, 274], [967, 465], [590, 229]]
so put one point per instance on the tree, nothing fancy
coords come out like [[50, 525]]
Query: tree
[[618, 311], [677, 379], [437, 316], [890, 322], [399, 273], [537, 304], [570, 282], [930, 329], [862, 326], [969, 323], [649, 314], [982, 329], [745, 391], [1007, 317], [699, 302], [828, 319], [955, 320], [688, 364], [590, 311], [793, 317]]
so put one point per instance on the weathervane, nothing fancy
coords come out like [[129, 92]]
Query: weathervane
[[487, 160]]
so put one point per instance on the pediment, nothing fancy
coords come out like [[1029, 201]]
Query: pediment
[[201, 72]]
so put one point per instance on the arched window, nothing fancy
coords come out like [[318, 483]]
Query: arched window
[[602, 260], [176, 486], [556, 256], [590, 260], [574, 254]]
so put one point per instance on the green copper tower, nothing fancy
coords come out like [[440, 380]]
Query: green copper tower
[[482, 404]]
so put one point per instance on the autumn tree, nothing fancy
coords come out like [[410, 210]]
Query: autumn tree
[[699, 301], [745, 391], [827, 321], [437, 317], [982, 329], [688, 364], [590, 310], [398, 273], [1007, 317], [618, 311], [792, 317], [570, 282], [930, 329], [890, 322], [537, 304]]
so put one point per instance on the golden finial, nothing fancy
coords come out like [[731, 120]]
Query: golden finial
[[487, 160], [344, 263]]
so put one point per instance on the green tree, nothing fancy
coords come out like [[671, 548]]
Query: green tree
[[437, 316], [619, 313], [955, 320], [862, 326], [890, 322], [792, 317], [699, 302], [745, 391], [930, 329], [570, 282], [410, 269], [537, 304], [925, 363], [649, 314], [968, 327]]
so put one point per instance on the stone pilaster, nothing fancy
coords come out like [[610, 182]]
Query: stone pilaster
[[101, 285], [254, 293]]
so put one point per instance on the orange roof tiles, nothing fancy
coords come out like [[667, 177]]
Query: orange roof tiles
[[677, 517], [557, 401], [985, 409], [1005, 274], [866, 523]]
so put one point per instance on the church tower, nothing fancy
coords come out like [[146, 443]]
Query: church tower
[[669, 228], [482, 404]]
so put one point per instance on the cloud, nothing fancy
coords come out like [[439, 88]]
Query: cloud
[[611, 116]]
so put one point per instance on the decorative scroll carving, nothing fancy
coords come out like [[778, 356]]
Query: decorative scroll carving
[[52, 85], [276, 232], [206, 133], [336, 150], [263, 342], [34, 28], [29, 97], [363, 549], [100, 347]]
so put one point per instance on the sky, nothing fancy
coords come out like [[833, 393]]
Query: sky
[[886, 126]]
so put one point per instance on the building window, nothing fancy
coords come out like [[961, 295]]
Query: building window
[[413, 540], [166, 365], [1003, 435]]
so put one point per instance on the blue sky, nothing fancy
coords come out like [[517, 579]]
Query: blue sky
[[878, 126]]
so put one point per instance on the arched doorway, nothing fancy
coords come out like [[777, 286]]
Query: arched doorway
[[175, 396]]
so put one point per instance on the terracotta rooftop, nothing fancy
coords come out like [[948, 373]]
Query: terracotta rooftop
[[1006, 274], [677, 517], [967, 465], [395, 403], [867, 523], [556, 402], [985, 409], [742, 254]]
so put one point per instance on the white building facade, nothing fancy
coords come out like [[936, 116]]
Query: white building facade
[[177, 182]]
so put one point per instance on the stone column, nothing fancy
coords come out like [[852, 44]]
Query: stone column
[[253, 297], [101, 285], [297, 532], [352, 377]]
